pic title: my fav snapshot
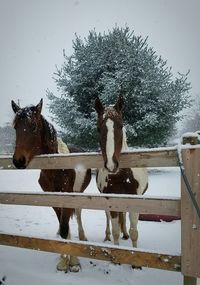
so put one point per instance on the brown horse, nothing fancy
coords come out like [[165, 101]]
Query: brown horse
[[35, 136], [111, 179]]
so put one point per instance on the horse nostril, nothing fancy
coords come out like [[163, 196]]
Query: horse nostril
[[20, 163], [116, 167], [113, 168]]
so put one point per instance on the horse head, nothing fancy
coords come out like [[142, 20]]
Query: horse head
[[110, 129], [27, 124]]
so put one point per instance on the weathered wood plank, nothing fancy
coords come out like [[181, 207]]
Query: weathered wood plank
[[190, 223], [154, 158], [141, 204], [189, 280], [101, 252]]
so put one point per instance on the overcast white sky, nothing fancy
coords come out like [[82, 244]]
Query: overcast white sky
[[34, 33]]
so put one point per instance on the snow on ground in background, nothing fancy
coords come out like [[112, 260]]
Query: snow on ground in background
[[24, 267]]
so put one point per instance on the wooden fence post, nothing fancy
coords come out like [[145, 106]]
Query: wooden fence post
[[190, 280], [190, 222]]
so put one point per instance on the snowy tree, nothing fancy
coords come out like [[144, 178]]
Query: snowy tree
[[107, 65], [7, 138], [192, 117]]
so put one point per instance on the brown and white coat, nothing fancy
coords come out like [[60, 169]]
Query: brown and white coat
[[111, 179]]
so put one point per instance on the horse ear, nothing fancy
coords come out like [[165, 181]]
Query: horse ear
[[15, 107], [99, 106], [119, 104], [39, 106]]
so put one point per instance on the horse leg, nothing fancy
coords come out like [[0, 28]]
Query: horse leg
[[107, 232], [123, 225], [81, 232], [134, 232], [67, 263], [115, 227], [63, 263], [46, 186], [133, 227], [58, 214], [63, 217], [74, 263]]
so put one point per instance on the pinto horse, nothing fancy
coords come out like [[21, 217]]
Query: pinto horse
[[35, 136], [111, 179]]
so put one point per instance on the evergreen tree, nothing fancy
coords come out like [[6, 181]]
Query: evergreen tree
[[192, 118], [7, 139], [107, 65]]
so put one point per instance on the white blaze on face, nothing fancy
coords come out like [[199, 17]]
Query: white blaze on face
[[110, 144]]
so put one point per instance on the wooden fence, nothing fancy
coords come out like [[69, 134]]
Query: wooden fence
[[189, 260]]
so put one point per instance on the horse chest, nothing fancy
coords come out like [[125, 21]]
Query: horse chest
[[71, 180], [57, 180], [102, 179], [122, 182]]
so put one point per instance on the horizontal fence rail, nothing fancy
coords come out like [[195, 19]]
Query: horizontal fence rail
[[115, 254], [161, 157], [123, 203]]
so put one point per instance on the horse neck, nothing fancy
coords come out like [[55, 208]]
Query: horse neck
[[48, 138], [124, 141]]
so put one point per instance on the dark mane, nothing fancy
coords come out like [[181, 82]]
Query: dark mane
[[49, 132]]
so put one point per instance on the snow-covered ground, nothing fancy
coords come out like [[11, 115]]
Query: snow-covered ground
[[27, 267]]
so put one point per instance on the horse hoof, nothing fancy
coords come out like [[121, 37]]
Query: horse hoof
[[125, 236], [63, 264], [74, 264], [62, 267], [83, 238], [116, 263], [75, 268], [107, 239], [136, 267]]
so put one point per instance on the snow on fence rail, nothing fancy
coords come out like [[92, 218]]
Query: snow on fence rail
[[189, 261], [117, 254], [158, 157], [109, 202]]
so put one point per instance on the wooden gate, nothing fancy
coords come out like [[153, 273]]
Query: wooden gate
[[189, 260]]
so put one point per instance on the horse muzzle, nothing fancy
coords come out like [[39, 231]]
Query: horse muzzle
[[20, 163], [112, 168]]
